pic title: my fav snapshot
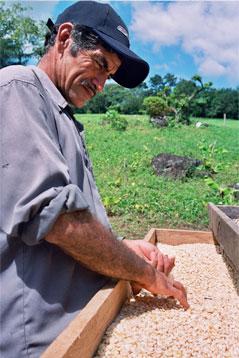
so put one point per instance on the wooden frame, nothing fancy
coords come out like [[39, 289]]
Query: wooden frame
[[83, 335], [225, 230]]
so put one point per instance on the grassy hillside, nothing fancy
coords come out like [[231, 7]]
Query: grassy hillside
[[134, 196]]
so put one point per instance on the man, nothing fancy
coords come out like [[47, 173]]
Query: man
[[57, 246]]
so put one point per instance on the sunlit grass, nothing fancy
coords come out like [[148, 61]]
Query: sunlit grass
[[129, 188]]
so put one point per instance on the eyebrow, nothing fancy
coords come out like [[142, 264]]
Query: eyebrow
[[103, 61]]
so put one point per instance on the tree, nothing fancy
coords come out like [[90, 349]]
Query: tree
[[198, 103], [175, 103], [131, 104], [170, 80], [114, 94], [158, 83], [132, 101], [222, 101], [185, 87], [20, 36], [180, 104], [97, 104]]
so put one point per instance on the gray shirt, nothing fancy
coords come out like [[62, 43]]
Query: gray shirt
[[45, 171]]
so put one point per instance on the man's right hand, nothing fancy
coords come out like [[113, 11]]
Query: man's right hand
[[164, 286], [86, 240], [163, 266]]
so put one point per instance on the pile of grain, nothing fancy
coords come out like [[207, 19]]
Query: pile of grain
[[156, 327]]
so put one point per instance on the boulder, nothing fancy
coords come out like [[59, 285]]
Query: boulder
[[159, 121], [174, 166], [236, 188], [200, 124]]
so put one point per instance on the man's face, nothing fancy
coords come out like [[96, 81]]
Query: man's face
[[82, 76]]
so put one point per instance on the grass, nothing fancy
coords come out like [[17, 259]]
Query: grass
[[135, 198]]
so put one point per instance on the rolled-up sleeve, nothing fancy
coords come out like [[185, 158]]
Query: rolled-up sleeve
[[35, 182]]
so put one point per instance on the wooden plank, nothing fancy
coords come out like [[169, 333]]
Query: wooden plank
[[178, 237], [83, 335], [226, 233], [151, 236], [230, 210]]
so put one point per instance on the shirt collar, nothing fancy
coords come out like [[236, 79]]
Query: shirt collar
[[50, 87]]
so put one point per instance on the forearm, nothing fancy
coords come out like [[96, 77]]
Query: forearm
[[85, 239], [81, 236]]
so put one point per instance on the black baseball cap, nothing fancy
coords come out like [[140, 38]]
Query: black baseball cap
[[111, 29]]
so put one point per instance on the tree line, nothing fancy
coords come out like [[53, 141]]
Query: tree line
[[209, 103]]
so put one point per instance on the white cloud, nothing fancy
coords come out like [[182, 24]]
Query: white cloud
[[40, 10], [212, 67], [208, 31], [163, 66]]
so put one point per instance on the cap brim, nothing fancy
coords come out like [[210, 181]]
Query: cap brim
[[133, 69]]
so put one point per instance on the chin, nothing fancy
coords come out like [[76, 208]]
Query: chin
[[77, 99], [78, 103]]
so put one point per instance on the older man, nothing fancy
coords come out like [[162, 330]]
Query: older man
[[57, 246]]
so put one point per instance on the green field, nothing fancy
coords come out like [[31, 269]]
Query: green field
[[136, 199]]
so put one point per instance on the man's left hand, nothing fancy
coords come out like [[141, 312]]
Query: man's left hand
[[151, 254]]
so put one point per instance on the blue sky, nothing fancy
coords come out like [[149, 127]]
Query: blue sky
[[180, 37]]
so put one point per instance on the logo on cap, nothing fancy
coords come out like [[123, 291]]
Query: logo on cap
[[121, 29]]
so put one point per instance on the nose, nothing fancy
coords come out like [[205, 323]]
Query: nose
[[99, 82]]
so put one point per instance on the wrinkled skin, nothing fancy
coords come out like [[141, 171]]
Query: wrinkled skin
[[80, 77]]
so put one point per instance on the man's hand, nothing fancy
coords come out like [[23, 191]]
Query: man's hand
[[162, 285], [151, 254], [163, 265], [85, 239]]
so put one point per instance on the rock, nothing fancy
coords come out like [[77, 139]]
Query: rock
[[236, 192], [200, 124], [174, 166], [159, 121], [236, 186]]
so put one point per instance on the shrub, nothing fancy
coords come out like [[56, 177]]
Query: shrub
[[155, 106], [116, 121]]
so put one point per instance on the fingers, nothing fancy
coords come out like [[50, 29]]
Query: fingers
[[152, 255], [162, 262], [169, 263], [154, 259], [163, 286], [178, 291]]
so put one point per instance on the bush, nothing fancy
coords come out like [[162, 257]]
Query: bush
[[155, 106], [116, 121]]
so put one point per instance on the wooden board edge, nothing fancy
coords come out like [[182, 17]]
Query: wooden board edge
[[231, 211], [226, 232], [179, 237], [151, 236], [215, 210], [82, 336], [79, 339]]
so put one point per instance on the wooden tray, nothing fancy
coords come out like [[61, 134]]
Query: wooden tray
[[83, 335], [225, 230]]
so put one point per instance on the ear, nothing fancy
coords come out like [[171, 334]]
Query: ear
[[63, 36]]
